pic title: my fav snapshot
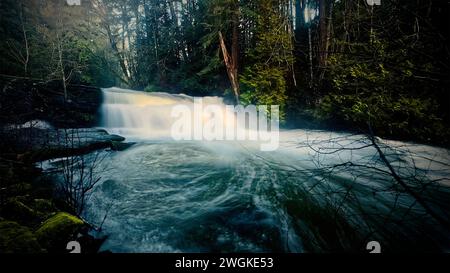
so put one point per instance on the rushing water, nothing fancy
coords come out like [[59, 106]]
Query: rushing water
[[318, 192]]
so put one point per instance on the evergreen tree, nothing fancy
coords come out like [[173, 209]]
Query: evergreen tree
[[271, 57]]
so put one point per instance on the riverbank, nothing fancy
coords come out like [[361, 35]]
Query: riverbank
[[35, 216], [37, 124]]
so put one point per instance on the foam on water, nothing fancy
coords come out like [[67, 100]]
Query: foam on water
[[196, 196]]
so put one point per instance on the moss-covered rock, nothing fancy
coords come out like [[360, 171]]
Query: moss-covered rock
[[15, 238], [57, 231]]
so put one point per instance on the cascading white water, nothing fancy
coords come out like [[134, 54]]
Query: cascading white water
[[142, 115], [137, 114]]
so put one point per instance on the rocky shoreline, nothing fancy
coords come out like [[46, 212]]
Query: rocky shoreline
[[38, 144], [33, 219], [36, 125]]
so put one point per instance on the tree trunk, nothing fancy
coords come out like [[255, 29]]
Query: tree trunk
[[231, 65], [26, 59], [323, 33], [61, 67], [311, 72], [299, 14], [235, 41], [118, 54], [178, 37]]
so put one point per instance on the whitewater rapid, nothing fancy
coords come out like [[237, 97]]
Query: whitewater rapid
[[319, 192]]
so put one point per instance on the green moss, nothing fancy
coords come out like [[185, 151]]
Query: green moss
[[58, 230], [15, 238]]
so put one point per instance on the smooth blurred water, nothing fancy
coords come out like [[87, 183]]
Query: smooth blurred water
[[319, 192]]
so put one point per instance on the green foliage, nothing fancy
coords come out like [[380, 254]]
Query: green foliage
[[367, 89], [33, 33], [406, 116], [264, 81], [386, 65], [264, 86]]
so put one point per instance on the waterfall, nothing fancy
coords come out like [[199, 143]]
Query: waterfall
[[200, 196], [142, 115]]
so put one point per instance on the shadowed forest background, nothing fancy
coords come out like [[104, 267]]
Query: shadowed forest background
[[336, 63], [363, 92]]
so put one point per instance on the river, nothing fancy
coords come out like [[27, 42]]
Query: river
[[318, 192]]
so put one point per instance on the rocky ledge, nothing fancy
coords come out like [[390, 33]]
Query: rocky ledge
[[37, 141]]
